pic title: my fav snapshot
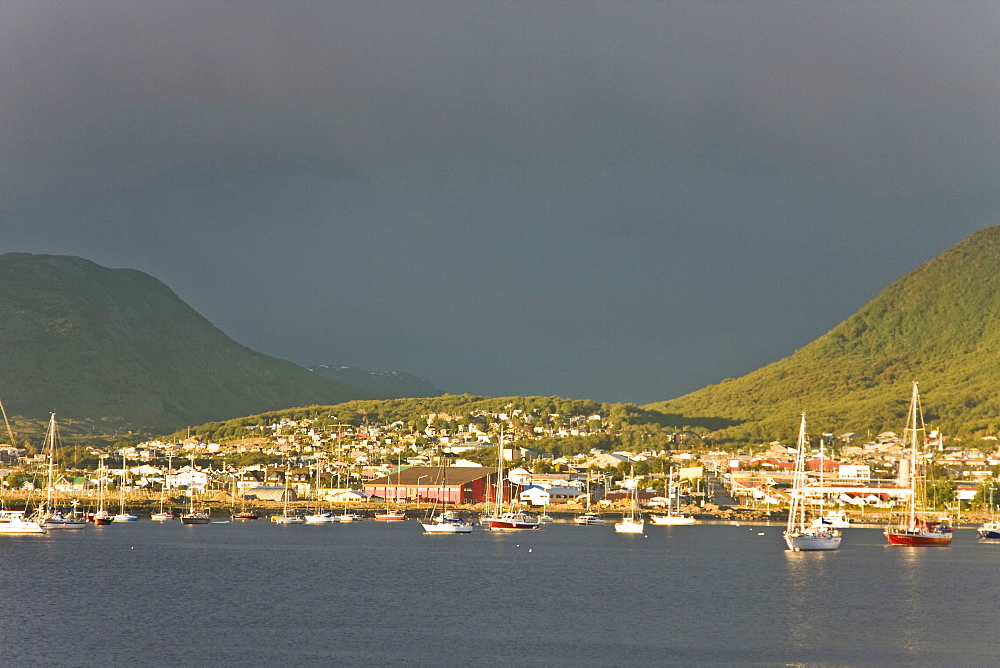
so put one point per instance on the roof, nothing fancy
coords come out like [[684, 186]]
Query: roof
[[432, 475]]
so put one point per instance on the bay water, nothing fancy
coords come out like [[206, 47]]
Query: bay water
[[373, 594]]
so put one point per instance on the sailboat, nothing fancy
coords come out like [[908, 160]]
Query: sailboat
[[52, 518], [632, 522], [393, 515], [123, 516], [448, 521], [320, 516], [800, 536], [164, 515], [588, 518], [193, 516], [347, 515], [284, 517], [102, 516], [508, 519], [914, 530], [674, 514]]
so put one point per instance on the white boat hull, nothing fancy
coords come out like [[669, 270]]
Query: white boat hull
[[805, 541], [319, 519], [124, 517], [68, 523], [446, 527], [671, 519], [589, 520], [14, 523], [630, 526]]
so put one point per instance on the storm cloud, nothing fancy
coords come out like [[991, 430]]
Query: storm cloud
[[622, 201]]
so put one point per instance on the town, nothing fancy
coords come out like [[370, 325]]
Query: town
[[316, 460]]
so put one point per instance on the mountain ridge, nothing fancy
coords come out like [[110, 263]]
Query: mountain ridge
[[933, 325], [119, 345]]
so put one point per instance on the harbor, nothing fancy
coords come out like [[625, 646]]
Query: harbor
[[371, 593]]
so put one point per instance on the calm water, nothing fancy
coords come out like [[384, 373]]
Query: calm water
[[257, 593]]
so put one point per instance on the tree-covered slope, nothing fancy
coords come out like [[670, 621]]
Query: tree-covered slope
[[937, 325], [118, 345]]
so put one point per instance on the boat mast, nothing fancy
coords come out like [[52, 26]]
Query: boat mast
[[52, 447], [796, 510], [499, 494], [914, 424]]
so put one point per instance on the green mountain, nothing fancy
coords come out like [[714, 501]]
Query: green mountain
[[118, 347], [937, 325]]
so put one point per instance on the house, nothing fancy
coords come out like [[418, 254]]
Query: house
[[269, 494], [449, 484], [342, 496], [538, 495], [189, 477]]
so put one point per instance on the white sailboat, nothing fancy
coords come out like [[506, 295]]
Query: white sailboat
[[674, 515], [319, 516], [101, 516], [123, 516], [914, 530], [799, 535], [52, 518], [393, 515], [164, 515], [632, 522], [193, 516], [588, 518], [447, 522], [284, 517]]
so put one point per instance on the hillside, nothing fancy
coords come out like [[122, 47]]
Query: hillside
[[935, 325], [118, 347]]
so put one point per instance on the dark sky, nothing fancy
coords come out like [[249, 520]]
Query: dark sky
[[622, 201]]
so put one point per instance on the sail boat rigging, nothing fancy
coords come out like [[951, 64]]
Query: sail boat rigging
[[674, 514], [914, 530], [123, 516], [588, 518], [393, 515], [800, 536], [193, 516], [102, 516], [52, 518], [165, 514], [632, 522], [502, 519], [447, 521]]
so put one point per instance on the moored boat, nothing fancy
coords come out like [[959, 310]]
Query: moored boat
[[674, 514], [512, 521], [672, 517], [633, 522], [799, 535], [989, 530], [14, 522], [589, 519], [913, 530], [833, 519]]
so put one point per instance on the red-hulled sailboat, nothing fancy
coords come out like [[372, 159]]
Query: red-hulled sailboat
[[914, 530]]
